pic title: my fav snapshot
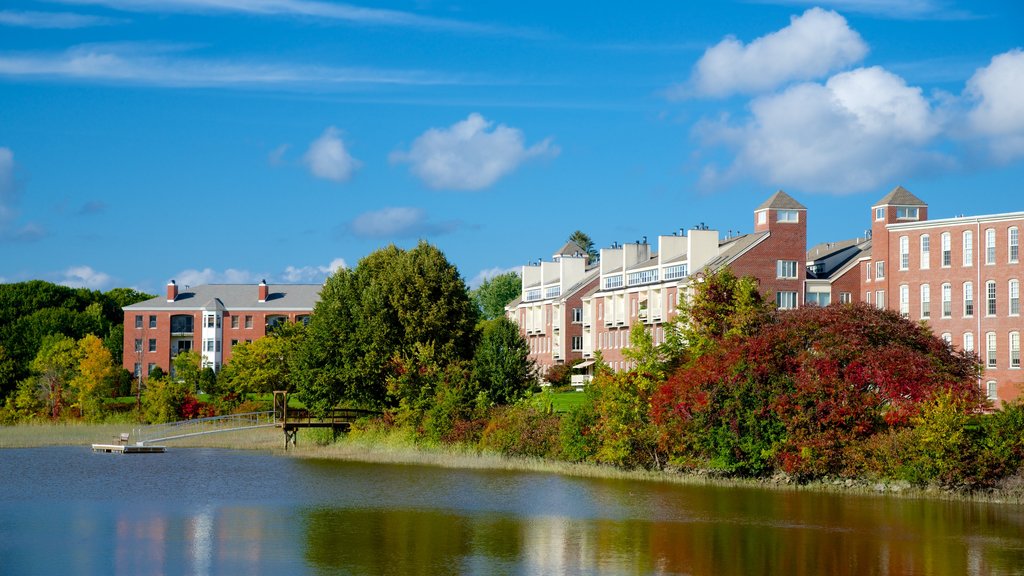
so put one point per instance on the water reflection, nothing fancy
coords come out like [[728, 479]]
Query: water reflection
[[219, 512]]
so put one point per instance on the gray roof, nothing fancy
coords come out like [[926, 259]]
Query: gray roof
[[237, 297], [651, 261], [900, 196], [781, 201], [736, 246], [829, 262], [571, 249]]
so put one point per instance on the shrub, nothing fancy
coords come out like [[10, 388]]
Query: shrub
[[522, 430], [576, 436]]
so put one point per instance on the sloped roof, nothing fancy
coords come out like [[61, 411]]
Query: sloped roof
[[571, 249], [237, 297], [781, 201], [900, 196], [829, 262], [735, 246]]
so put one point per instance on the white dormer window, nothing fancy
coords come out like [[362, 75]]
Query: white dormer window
[[880, 213], [906, 213], [762, 217]]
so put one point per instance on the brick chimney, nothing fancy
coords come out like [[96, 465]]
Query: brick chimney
[[172, 291], [263, 291]]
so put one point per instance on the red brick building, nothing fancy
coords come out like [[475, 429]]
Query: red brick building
[[210, 319], [959, 275]]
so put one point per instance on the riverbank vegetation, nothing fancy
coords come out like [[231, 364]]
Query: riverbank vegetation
[[846, 394]]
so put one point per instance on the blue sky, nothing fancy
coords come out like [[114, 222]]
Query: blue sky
[[235, 140]]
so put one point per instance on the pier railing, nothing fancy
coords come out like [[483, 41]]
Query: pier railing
[[200, 426]]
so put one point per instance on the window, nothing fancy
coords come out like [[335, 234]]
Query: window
[[990, 246], [926, 251], [904, 252], [303, 319], [819, 298], [577, 315], [150, 368], [968, 248], [182, 324], [879, 270], [152, 321], [845, 298], [208, 345], [990, 295], [1014, 297], [968, 299], [904, 300], [787, 216], [880, 298], [1014, 244], [947, 255], [968, 341], [906, 213], [152, 344], [138, 321], [867, 297], [926, 301], [138, 344], [210, 320], [947, 338], [762, 216], [867, 271], [613, 282], [1014, 349], [234, 342], [990, 349], [785, 268], [991, 391], [880, 213], [138, 369], [785, 300], [234, 321], [248, 321], [577, 343], [947, 300]]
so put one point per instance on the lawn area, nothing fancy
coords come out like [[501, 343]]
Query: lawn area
[[561, 401]]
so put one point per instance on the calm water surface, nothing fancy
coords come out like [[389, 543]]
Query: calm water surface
[[202, 511]]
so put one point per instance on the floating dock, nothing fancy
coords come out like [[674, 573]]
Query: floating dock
[[128, 449]]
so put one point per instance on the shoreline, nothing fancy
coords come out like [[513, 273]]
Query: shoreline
[[455, 457]]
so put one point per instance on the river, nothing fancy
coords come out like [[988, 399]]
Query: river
[[206, 511]]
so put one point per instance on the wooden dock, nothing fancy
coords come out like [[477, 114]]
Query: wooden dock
[[128, 449]]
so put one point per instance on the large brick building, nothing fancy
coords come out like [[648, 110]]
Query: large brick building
[[210, 319], [959, 275]]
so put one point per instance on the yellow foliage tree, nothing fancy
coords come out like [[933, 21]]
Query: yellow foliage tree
[[92, 383]]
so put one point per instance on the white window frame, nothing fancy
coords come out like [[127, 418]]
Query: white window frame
[[879, 213], [880, 298], [947, 300], [968, 299], [926, 251], [880, 270], [1015, 350], [788, 216], [990, 246], [992, 390], [947, 252], [904, 252], [1013, 244], [926, 301], [991, 308], [786, 299], [1014, 290], [968, 341], [904, 300], [786, 269], [991, 350], [968, 248]]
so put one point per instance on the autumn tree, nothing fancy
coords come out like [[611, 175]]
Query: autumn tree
[[495, 293], [55, 366], [93, 380]]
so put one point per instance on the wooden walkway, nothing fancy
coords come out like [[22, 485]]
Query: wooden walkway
[[337, 419]]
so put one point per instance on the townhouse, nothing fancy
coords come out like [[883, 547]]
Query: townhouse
[[959, 275], [212, 319]]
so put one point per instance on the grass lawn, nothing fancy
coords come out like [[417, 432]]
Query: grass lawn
[[561, 401]]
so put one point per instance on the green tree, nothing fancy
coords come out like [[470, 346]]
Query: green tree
[[265, 364], [494, 294], [583, 241], [502, 364], [392, 301], [188, 370], [164, 398], [56, 365], [720, 305]]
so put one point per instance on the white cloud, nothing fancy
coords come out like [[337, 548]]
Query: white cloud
[[327, 157], [901, 10], [860, 130], [58, 20], [488, 273], [998, 106], [86, 277], [193, 277], [312, 274], [298, 8], [398, 222], [470, 155], [814, 44], [159, 65]]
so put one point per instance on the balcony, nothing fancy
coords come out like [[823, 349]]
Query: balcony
[[579, 381]]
